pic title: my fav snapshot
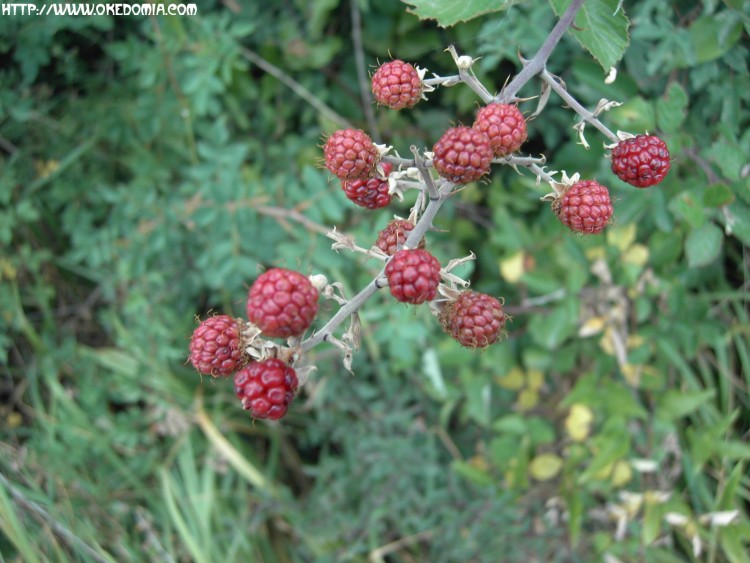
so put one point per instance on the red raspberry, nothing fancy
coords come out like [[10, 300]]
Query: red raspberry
[[215, 346], [585, 207], [350, 154], [372, 193], [393, 237], [413, 276], [462, 155], [266, 388], [641, 161], [282, 303], [505, 125], [397, 84], [474, 319]]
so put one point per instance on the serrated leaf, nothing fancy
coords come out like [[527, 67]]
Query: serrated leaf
[[703, 245], [601, 27], [450, 12]]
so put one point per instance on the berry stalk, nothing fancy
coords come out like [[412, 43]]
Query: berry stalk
[[539, 61], [588, 116], [356, 302]]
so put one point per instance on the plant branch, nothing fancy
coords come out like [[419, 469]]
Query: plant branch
[[536, 65], [585, 114], [356, 302], [296, 87]]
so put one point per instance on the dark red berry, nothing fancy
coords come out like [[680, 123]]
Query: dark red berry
[[371, 193], [350, 154], [585, 207], [462, 155], [215, 346], [266, 388], [505, 126], [282, 303], [413, 276], [641, 161], [393, 237], [474, 319], [397, 84]]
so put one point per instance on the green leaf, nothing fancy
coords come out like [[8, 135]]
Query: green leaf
[[671, 108], [703, 245], [733, 449], [712, 36], [472, 473], [554, 329], [450, 12], [602, 29], [675, 404], [718, 195]]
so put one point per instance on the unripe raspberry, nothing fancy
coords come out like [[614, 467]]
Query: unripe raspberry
[[371, 193], [462, 155], [215, 346], [413, 276], [282, 303], [350, 154], [585, 207], [474, 319], [505, 126], [641, 161], [397, 84], [266, 388], [393, 237]]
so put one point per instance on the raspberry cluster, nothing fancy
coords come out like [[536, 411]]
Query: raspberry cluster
[[397, 84], [413, 276], [350, 154], [641, 161], [585, 207], [505, 126], [282, 303], [462, 155], [474, 319], [215, 346], [266, 388], [393, 237], [371, 193]]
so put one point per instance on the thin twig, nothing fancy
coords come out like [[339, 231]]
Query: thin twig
[[537, 64], [292, 215], [295, 86], [364, 83], [585, 114], [356, 302]]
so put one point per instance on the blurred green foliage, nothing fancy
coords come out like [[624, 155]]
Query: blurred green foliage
[[149, 170]]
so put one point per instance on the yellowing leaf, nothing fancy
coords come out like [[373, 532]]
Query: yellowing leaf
[[636, 254], [621, 474], [606, 343], [512, 268], [545, 466], [578, 422], [592, 326], [632, 374], [535, 379], [635, 340], [596, 253], [479, 462], [527, 399], [605, 472], [512, 380], [622, 237]]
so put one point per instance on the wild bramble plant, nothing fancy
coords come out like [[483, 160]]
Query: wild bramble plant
[[282, 304]]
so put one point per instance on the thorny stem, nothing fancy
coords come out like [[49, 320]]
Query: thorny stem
[[537, 64], [356, 302], [587, 116], [439, 193]]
